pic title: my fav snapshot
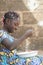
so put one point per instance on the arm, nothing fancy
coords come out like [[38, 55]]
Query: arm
[[16, 42]]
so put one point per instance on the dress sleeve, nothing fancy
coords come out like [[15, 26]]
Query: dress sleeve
[[4, 35]]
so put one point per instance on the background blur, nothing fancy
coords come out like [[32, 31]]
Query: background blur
[[29, 19]]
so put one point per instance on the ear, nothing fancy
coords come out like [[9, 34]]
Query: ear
[[7, 21]]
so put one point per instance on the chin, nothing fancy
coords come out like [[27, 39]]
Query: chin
[[10, 31]]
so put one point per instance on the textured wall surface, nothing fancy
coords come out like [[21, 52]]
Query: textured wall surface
[[28, 20]]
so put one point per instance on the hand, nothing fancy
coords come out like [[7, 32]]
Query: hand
[[29, 33]]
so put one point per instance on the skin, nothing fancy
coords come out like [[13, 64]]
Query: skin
[[10, 26]]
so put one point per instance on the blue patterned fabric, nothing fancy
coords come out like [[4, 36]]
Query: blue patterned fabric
[[16, 60], [9, 58]]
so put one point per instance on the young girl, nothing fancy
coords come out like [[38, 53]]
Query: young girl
[[8, 43]]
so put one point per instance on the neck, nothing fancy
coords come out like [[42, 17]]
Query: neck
[[5, 29]]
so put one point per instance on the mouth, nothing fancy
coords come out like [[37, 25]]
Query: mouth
[[15, 28]]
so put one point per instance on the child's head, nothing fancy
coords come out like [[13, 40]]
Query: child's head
[[11, 21]]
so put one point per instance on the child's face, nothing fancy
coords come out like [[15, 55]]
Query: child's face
[[12, 25]]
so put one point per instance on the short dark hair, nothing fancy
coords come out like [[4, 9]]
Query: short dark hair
[[10, 15]]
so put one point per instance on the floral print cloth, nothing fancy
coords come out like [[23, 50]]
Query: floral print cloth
[[14, 59]]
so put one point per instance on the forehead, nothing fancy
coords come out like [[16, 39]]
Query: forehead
[[15, 20]]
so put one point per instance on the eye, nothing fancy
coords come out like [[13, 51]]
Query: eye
[[16, 24]]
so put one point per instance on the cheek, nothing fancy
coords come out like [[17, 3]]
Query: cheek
[[13, 26]]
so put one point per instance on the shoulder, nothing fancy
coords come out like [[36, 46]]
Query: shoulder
[[4, 35]]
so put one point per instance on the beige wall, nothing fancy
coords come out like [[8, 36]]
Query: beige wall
[[28, 20]]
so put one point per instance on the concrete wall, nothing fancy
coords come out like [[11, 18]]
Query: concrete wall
[[28, 20]]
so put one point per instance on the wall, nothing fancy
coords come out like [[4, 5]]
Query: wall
[[28, 20]]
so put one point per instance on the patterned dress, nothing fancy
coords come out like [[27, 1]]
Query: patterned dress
[[8, 57]]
